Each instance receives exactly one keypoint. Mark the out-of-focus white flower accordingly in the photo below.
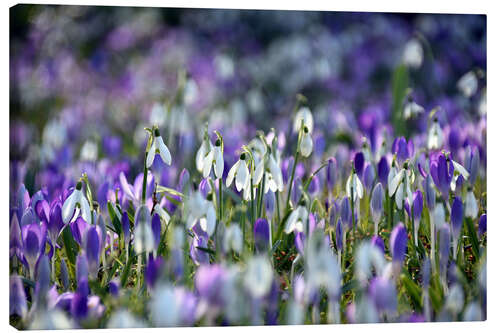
(124, 319)
(294, 313)
(240, 171)
(455, 300)
(158, 147)
(368, 257)
(224, 66)
(268, 168)
(473, 312)
(233, 238)
(413, 54)
(143, 232)
(205, 148)
(439, 216)
(89, 151)
(354, 187)
(259, 276)
(468, 84)
(412, 109)
(52, 319)
(303, 114)
(482, 104)
(200, 209)
(165, 309)
(76, 197)
(158, 114)
(471, 208)
(191, 92)
(435, 136)
(297, 220)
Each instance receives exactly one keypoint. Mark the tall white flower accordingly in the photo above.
(158, 147)
(239, 171)
(354, 187)
(471, 208)
(76, 198)
(306, 143)
(297, 220)
(400, 184)
(215, 158)
(202, 210)
(435, 136)
(268, 167)
(303, 115)
(205, 148)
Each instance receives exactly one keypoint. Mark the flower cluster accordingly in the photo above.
(200, 207)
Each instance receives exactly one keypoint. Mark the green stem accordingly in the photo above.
(295, 159)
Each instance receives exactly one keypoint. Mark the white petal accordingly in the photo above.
(276, 173)
(399, 197)
(162, 213)
(232, 172)
(200, 155)
(471, 209)
(460, 169)
(291, 221)
(85, 208)
(69, 206)
(395, 182)
(241, 176)
(306, 145)
(151, 154)
(164, 152)
(219, 162)
(348, 186)
(359, 187)
(259, 172)
(210, 220)
(207, 164)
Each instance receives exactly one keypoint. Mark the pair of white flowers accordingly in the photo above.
(400, 183)
(202, 210)
(208, 156)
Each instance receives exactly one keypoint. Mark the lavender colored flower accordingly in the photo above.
(331, 173)
(17, 297)
(442, 173)
(378, 243)
(209, 281)
(398, 242)
(339, 235)
(472, 163)
(153, 270)
(482, 225)
(33, 245)
(376, 204)
(359, 163)
(384, 294)
(383, 170)
(93, 251)
(261, 234)
(456, 217)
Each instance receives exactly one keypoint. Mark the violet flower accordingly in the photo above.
(261, 235)
(398, 242)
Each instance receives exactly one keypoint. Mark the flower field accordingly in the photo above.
(197, 167)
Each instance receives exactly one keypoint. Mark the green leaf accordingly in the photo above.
(471, 231)
(413, 291)
(69, 245)
(117, 225)
(126, 272)
(204, 249)
(163, 189)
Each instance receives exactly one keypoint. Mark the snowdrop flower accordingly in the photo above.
(76, 198)
(200, 209)
(303, 115)
(205, 148)
(354, 187)
(165, 307)
(268, 168)
(412, 109)
(468, 84)
(162, 213)
(471, 208)
(306, 143)
(215, 158)
(413, 54)
(376, 205)
(401, 182)
(296, 220)
(143, 232)
(435, 137)
(158, 147)
(239, 171)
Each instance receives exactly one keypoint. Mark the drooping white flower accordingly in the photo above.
(413, 54)
(303, 115)
(268, 167)
(165, 307)
(468, 84)
(239, 171)
(471, 208)
(412, 109)
(215, 158)
(435, 136)
(205, 148)
(158, 147)
(438, 216)
(202, 210)
(400, 184)
(460, 169)
(297, 220)
(76, 198)
(306, 143)
(162, 213)
(354, 187)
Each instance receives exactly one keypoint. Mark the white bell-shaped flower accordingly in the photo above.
(468, 84)
(215, 158)
(239, 171)
(268, 168)
(435, 136)
(297, 220)
(69, 205)
(205, 148)
(413, 54)
(412, 110)
(304, 114)
(200, 209)
(400, 184)
(233, 238)
(158, 147)
(354, 187)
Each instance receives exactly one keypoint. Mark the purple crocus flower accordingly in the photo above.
(472, 163)
(78, 229)
(153, 270)
(184, 178)
(376, 204)
(261, 235)
(17, 297)
(156, 227)
(369, 176)
(82, 268)
(402, 149)
(444, 246)
(64, 274)
(331, 173)
(79, 309)
(384, 295)
(314, 186)
(42, 280)
(299, 240)
(442, 173)
(93, 251)
(345, 212)
(199, 256)
(33, 245)
(15, 241)
(269, 202)
(359, 163)
(418, 205)
(208, 282)
(126, 227)
(482, 225)
(55, 223)
(383, 170)
(339, 235)
(456, 217)
(398, 242)
(114, 287)
(430, 194)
